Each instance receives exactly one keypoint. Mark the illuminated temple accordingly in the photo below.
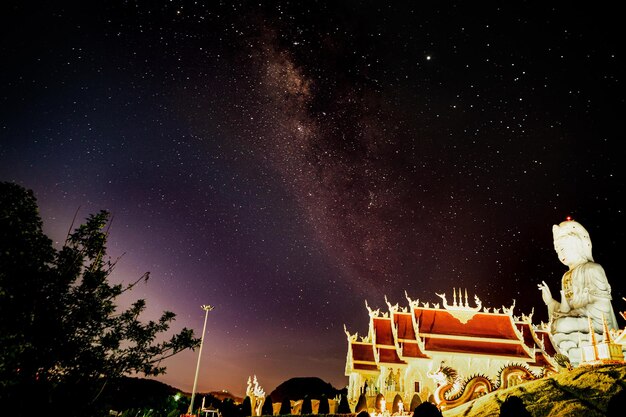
(411, 350)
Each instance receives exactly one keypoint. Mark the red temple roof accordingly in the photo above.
(424, 331)
(482, 334)
(404, 326)
(484, 325)
(407, 339)
(477, 347)
(389, 356)
(384, 337)
(546, 340)
(412, 350)
(363, 352)
(382, 329)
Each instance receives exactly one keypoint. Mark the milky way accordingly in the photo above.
(286, 161)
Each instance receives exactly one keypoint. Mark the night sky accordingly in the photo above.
(286, 161)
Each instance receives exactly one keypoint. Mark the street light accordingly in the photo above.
(206, 308)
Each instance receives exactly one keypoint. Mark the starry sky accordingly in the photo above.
(286, 161)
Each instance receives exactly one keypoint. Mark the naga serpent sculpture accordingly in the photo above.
(452, 391)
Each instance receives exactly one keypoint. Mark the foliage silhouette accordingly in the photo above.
(285, 407)
(344, 407)
(62, 336)
(427, 409)
(268, 407)
(229, 408)
(307, 407)
(246, 407)
(513, 406)
(324, 407)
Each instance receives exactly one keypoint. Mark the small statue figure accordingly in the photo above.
(585, 292)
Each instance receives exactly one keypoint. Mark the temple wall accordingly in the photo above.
(415, 379)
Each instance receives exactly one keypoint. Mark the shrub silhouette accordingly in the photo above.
(427, 410)
(324, 407)
(285, 407)
(268, 407)
(513, 407)
(344, 407)
(307, 407)
(246, 407)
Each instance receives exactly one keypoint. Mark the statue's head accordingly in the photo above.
(572, 239)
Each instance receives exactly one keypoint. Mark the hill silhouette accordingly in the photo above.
(296, 388)
(129, 392)
(584, 391)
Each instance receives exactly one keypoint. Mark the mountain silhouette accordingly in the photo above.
(296, 388)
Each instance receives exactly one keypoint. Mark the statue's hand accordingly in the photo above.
(546, 295)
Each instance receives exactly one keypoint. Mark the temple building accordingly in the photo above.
(407, 347)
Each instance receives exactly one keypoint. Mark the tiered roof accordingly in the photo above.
(420, 330)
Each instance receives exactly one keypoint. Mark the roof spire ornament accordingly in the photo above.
(607, 333)
(592, 339)
(460, 311)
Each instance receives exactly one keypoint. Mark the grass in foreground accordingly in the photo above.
(583, 391)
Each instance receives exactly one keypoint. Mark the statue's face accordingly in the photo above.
(568, 250)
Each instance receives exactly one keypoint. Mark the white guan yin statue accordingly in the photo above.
(585, 292)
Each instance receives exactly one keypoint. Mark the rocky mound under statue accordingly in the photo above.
(585, 292)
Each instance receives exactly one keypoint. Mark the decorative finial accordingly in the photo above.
(592, 333)
(454, 296)
(607, 333)
(466, 302)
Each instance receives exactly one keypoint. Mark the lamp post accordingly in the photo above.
(206, 308)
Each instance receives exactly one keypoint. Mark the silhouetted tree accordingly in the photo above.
(61, 336)
(344, 407)
(427, 410)
(361, 404)
(324, 407)
(415, 401)
(307, 407)
(513, 407)
(285, 407)
(246, 407)
(268, 407)
(229, 408)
